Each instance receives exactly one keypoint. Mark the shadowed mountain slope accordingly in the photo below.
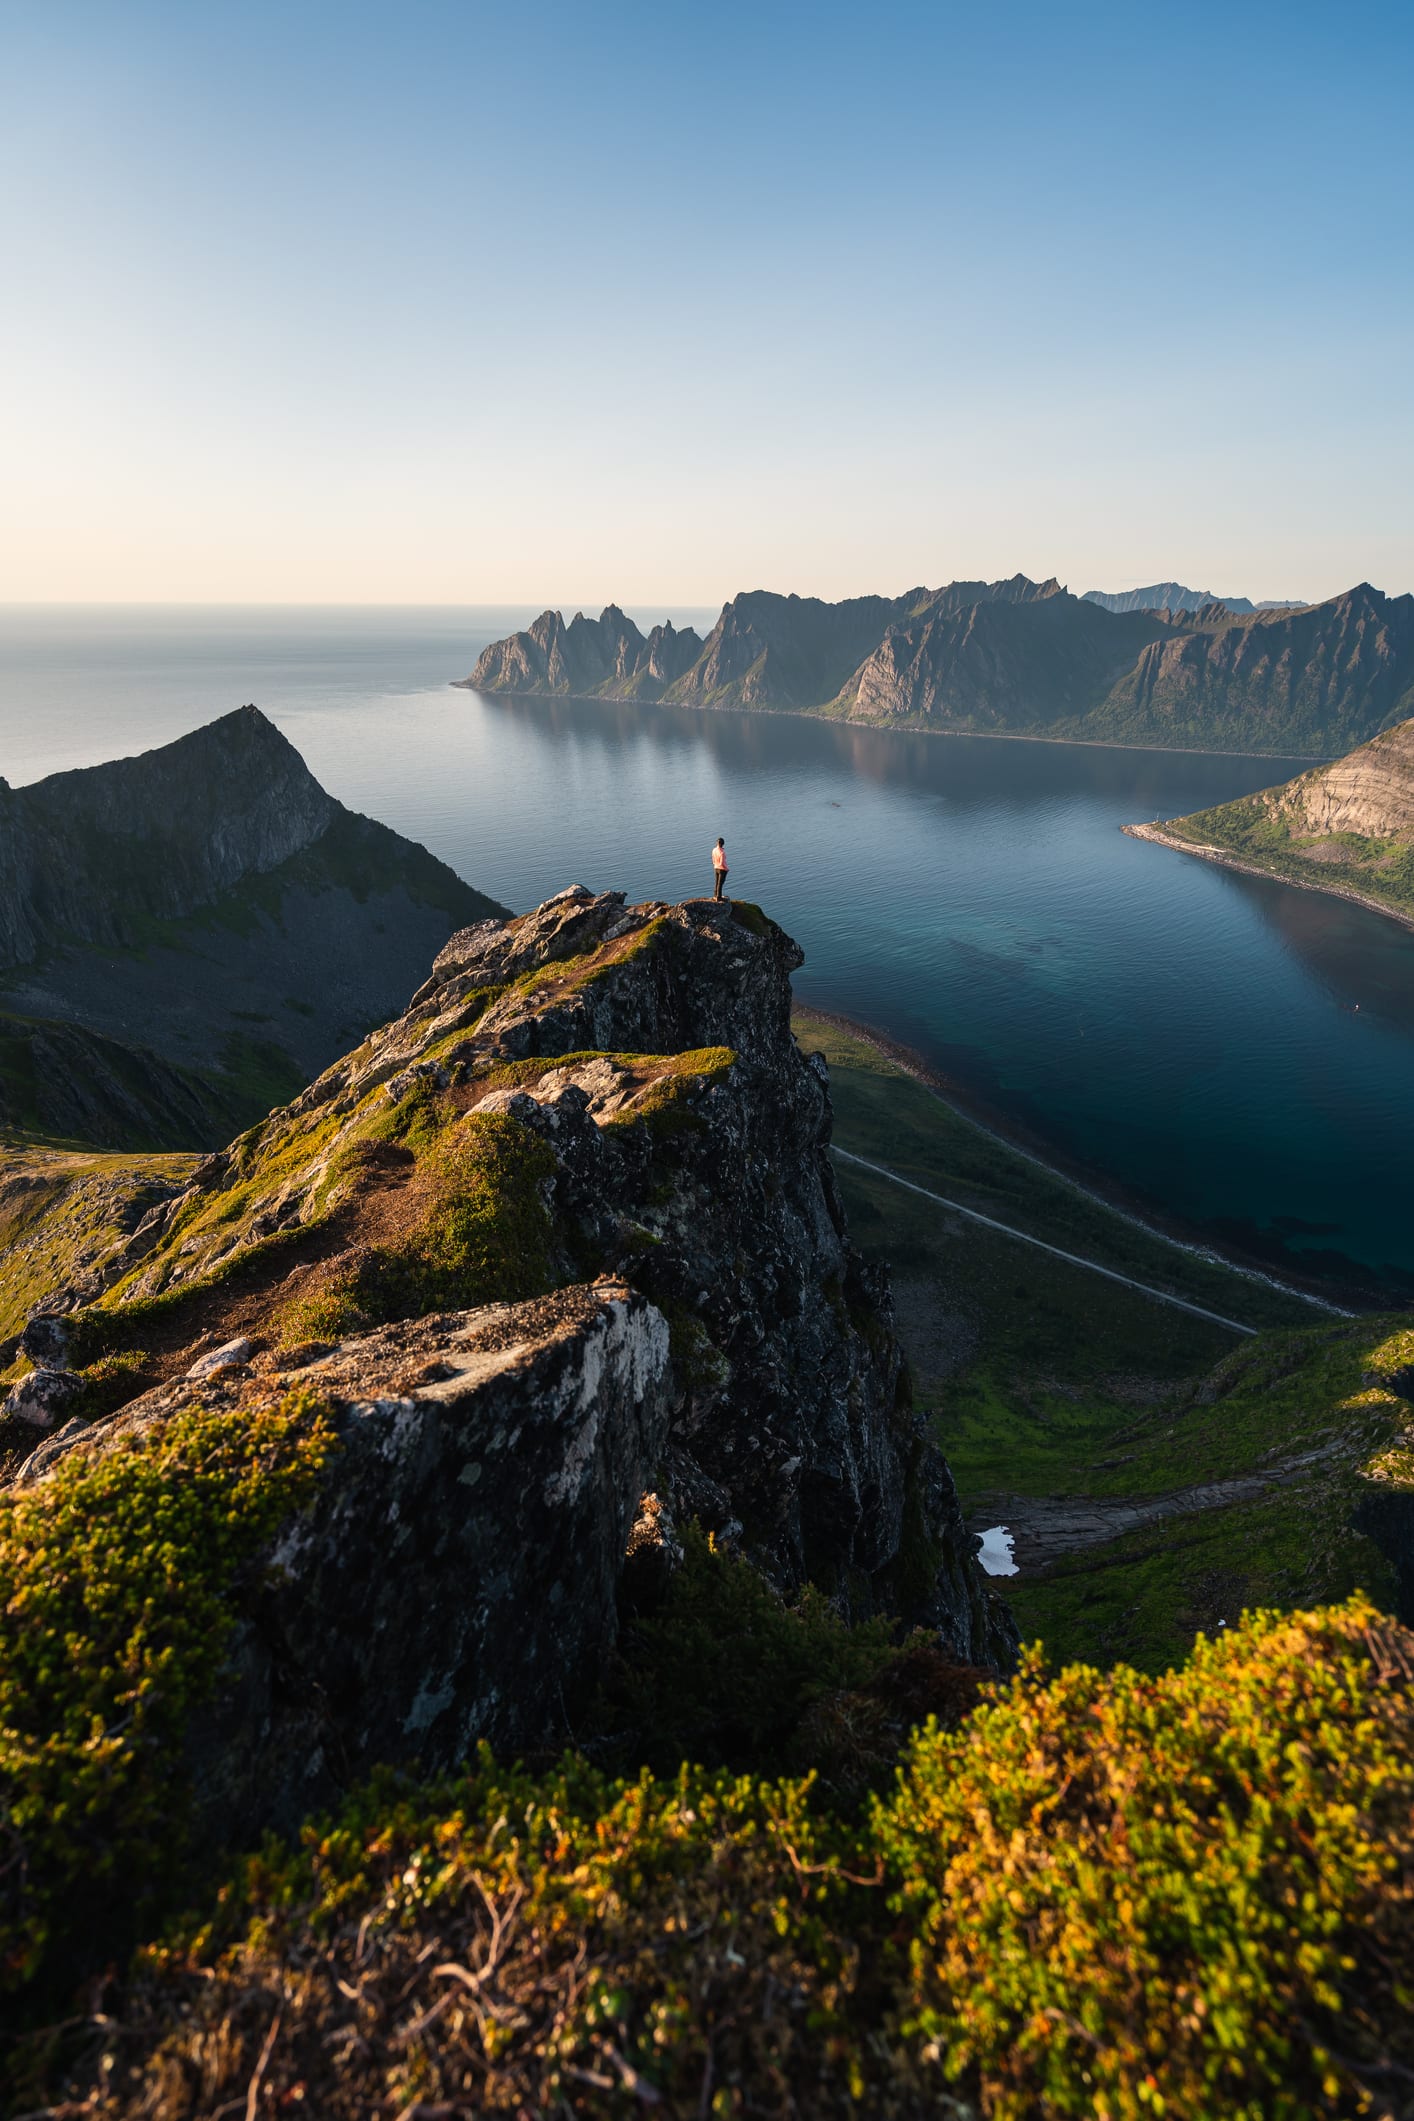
(206, 903)
(1316, 679)
(1020, 657)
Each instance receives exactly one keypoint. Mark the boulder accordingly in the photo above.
(43, 1398)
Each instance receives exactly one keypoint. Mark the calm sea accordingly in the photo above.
(1232, 1053)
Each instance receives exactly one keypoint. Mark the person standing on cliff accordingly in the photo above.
(719, 868)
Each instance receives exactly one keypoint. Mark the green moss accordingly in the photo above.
(749, 916)
(117, 1579)
(485, 1234)
(111, 1382)
(665, 1107)
(112, 1325)
(698, 1364)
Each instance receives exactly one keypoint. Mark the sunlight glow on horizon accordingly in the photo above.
(453, 304)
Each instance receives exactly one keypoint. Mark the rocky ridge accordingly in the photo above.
(563, 1234)
(1018, 657)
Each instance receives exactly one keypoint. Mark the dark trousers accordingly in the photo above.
(721, 876)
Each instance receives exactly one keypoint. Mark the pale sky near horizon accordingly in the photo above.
(447, 302)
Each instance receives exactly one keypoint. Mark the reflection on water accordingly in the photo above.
(1186, 1031)
(1362, 963)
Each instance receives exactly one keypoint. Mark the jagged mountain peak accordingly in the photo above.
(1164, 663)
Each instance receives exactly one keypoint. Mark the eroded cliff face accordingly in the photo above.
(562, 1234)
(1002, 661)
(1370, 793)
(454, 1580)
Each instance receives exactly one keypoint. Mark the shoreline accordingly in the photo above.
(1224, 860)
(850, 721)
(957, 1100)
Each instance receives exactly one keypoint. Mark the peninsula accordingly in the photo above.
(1346, 828)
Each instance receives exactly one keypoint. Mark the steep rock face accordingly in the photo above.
(1317, 678)
(1001, 662)
(1370, 792)
(775, 651)
(644, 1056)
(607, 654)
(455, 1579)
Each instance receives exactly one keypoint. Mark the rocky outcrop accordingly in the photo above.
(1027, 658)
(154, 910)
(455, 1579)
(644, 1055)
(604, 655)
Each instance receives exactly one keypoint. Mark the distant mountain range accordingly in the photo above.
(1172, 596)
(186, 936)
(1015, 657)
(1346, 828)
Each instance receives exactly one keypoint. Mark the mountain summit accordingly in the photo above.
(186, 935)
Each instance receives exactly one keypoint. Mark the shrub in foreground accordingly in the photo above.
(116, 1576)
(1103, 1894)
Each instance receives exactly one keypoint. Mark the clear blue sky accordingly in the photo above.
(466, 302)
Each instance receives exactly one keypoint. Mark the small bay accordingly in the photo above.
(1225, 1051)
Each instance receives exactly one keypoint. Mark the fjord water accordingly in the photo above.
(1227, 1051)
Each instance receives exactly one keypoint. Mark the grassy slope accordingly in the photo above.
(1382, 870)
(1044, 1380)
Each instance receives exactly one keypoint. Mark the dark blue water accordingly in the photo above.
(1190, 1035)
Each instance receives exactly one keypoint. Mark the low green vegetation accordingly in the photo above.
(483, 1232)
(1380, 869)
(726, 1673)
(117, 1576)
(1099, 1895)
(63, 1211)
(1045, 1383)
